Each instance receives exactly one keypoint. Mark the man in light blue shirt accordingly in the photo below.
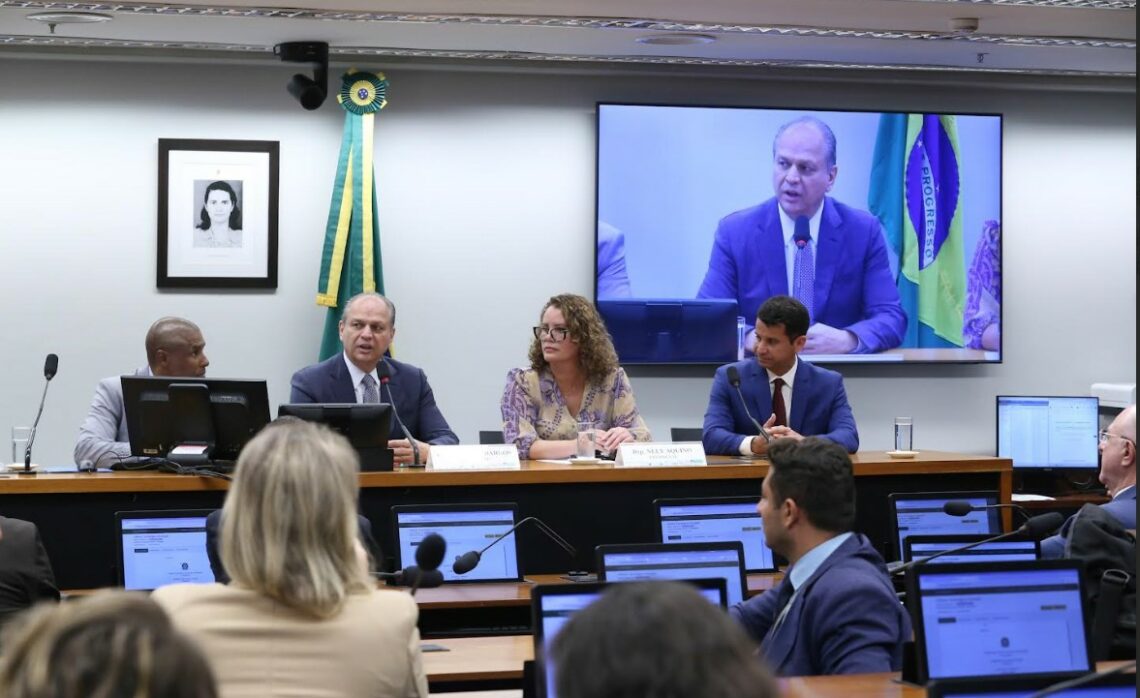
(836, 611)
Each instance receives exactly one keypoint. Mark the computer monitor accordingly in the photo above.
(366, 426)
(157, 548)
(920, 513)
(663, 331)
(1119, 685)
(1043, 432)
(464, 527)
(999, 619)
(998, 551)
(552, 605)
(675, 561)
(210, 418)
(714, 520)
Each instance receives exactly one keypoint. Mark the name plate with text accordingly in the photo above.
(485, 457)
(650, 455)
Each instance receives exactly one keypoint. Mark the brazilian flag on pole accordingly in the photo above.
(350, 261)
(915, 192)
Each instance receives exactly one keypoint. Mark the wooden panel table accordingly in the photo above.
(587, 504)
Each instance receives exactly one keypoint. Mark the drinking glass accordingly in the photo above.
(904, 433)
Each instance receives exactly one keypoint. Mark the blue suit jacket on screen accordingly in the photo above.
(854, 287)
(845, 619)
(1123, 509)
(819, 407)
(330, 381)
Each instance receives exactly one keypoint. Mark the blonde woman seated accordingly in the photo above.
(573, 376)
(302, 615)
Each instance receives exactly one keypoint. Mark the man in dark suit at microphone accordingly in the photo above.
(794, 398)
(361, 373)
(831, 257)
(174, 347)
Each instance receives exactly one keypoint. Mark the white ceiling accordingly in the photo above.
(1078, 38)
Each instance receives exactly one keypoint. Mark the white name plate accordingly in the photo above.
(489, 457)
(650, 455)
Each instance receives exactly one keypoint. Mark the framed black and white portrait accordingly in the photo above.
(217, 213)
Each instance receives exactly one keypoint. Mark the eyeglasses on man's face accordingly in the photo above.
(1103, 436)
(556, 333)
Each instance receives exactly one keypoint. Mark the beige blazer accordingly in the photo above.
(259, 648)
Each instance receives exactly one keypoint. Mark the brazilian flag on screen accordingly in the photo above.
(916, 193)
(350, 259)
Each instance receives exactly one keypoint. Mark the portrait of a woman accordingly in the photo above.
(219, 220)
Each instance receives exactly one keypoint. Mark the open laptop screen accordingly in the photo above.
(715, 520)
(465, 527)
(157, 548)
(999, 619)
(677, 561)
(920, 514)
(999, 551)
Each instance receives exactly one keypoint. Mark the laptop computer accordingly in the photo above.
(465, 527)
(920, 513)
(998, 551)
(714, 520)
(999, 619)
(552, 605)
(156, 548)
(1119, 685)
(676, 561)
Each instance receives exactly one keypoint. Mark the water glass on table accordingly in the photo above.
(587, 439)
(904, 433)
(20, 436)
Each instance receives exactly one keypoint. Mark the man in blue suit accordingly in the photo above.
(367, 328)
(835, 612)
(828, 255)
(809, 401)
(1117, 474)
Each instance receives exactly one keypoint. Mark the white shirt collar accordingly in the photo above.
(788, 224)
(789, 377)
(356, 374)
(806, 566)
(1121, 492)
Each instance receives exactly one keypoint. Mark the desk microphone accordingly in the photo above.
(425, 573)
(734, 381)
(960, 507)
(467, 561)
(51, 365)
(385, 374)
(1035, 528)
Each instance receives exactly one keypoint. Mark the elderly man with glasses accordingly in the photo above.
(1117, 474)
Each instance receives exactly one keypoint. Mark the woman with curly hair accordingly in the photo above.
(573, 376)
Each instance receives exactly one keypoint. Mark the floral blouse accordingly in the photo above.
(533, 408)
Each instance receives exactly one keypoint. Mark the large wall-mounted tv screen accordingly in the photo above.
(885, 225)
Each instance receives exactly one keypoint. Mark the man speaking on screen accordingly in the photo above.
(829, 256)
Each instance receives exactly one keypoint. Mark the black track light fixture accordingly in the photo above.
(310, 92)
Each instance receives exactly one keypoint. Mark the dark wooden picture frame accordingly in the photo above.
(202, 182)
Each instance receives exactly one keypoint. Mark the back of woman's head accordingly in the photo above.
(289, 524)
(113, 644)
(656, 640)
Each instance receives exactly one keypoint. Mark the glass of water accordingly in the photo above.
(587, 439)
(904, 433)
(20, 436)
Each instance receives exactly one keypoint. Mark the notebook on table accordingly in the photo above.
(464, 527)
(675, 561)
(156, 548)
(999, 619)
(716, 520)
(920, 514)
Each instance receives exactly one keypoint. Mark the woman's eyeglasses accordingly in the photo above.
(556, 333)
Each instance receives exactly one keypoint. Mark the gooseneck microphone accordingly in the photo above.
(802, 234)
(51, 365)
(467, 561)
(385, 374)
(960, 507)
(734, 381)
(425, 573)
(1035, 528)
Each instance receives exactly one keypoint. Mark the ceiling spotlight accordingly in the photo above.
(310, 92)
(676, 39)
(53, 18)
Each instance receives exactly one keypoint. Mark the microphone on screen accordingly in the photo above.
(734, 381)
(51, 365)
(467, 561)
(385, 374)
(802, 235)
(960, 507)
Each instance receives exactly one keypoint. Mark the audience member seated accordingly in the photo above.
(835, 612)
(110, 644)
(659, 639)
(367, 328)
(1117, 474)
(792, 398)
(303, 615)
(25, 571)
(573, 376)
(174, 347)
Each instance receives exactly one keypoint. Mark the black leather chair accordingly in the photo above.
(491, 437)
(686, 433)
